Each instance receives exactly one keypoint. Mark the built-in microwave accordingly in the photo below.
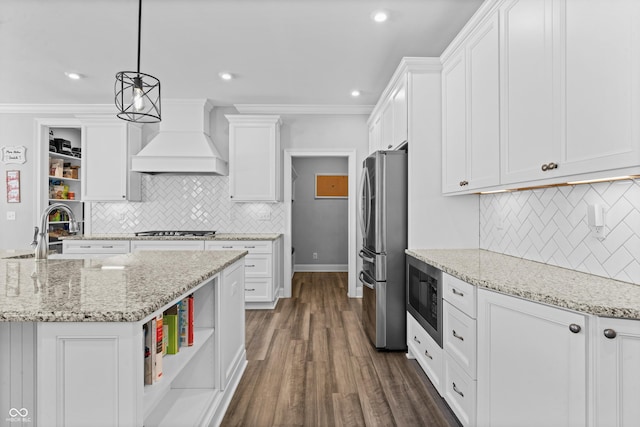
(424, 296)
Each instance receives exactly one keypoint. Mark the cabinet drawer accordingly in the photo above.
(257, 289)
(166, 245)
(459, 392)
(95, 247)
(244, 245)
(258, 265)
(426, 351)
(460, 294)
(459, 338)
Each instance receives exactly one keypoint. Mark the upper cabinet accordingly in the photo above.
(564, 113)
(388, 124)
(254, 158)
(470, 112)
(107, 147)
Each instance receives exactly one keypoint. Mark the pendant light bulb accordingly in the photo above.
(138, 94)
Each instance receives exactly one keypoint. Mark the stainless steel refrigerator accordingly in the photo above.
(383, 222)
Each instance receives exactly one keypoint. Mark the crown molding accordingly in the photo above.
(303, 109)
(57, 109)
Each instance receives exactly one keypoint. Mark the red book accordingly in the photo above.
(158, 347)
(190, 340)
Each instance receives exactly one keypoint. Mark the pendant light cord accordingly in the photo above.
(139, 24)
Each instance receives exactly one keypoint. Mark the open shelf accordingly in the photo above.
(63, 156)
(172, 365)
(183, 407)
(64, 178)
(65, 200)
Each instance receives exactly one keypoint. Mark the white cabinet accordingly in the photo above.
(532, 363)
(254, 158)
(262, 269)
(617, 373)
(600, 96)
(167, 245)
(388, 123)
(107, 147)
(459, 344)
(232, 314)
(471, 114)
(426, 351)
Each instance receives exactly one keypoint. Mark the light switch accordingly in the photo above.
(11, 216)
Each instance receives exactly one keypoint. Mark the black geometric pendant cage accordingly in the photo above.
(138, 94)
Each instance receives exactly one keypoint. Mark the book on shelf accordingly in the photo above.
(148, 345)
(183, 322)
(158, 361)
(165, 335)
(170, 318)
(190, 330)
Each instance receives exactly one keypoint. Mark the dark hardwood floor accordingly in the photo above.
(310, 364)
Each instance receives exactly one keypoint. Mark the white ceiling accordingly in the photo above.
(281, 51)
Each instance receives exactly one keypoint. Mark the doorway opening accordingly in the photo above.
(290, 157)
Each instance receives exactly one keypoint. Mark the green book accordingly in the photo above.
(170, 319)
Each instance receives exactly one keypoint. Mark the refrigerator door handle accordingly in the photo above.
(365, 283)
(364, 256)
(368, 183)
(360, 204)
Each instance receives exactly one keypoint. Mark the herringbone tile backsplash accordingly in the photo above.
(186, 202)
(550, 226)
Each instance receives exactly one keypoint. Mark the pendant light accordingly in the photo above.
(138, 94)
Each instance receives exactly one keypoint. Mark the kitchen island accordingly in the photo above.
(74, 340)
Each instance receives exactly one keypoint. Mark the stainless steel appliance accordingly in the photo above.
(424, 296)
(383, 222)
(176, 233)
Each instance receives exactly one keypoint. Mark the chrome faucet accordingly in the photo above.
(39, 236)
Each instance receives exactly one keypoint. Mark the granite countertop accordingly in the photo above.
(17, 253)
(536, 281)
(218, 236)
(123, 288)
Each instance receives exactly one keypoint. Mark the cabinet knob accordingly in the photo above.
(463, 183)
(545, 167)
(574, 328)
(610, 333)
(124, 197)
(549, 166)
(389, 146)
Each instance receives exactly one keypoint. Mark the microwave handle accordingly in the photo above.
(365, 283)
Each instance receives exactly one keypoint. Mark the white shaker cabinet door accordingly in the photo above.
(601, 77)
(532, 363)
(528, 121)
(617, 382)
(454, 118)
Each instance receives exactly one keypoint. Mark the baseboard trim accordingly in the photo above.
(307, 268)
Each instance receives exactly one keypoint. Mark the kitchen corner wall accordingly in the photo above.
(186, 202)
(550, 226)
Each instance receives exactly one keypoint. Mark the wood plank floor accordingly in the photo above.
(311, 364)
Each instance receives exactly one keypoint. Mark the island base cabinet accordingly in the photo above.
(86, 374)
(532, 363)
(617, 382)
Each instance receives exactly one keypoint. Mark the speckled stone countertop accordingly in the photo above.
(536, 281)
(17, 253)
(218, 236)
(123, 288)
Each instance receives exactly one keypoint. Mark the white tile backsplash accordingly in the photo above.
(550, 225)
(186, 202)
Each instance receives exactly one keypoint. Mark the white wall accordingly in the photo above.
(319, 225)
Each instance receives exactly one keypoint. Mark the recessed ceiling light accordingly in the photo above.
(380, 16)
(73, 76)
(226, 76)
(355, 93)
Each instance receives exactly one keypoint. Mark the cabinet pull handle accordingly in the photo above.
(610, 333)
(249, 265)
(250, 289)
(574, 328)
(249, 247)
(456, 390)
(389, 146)
(426, 353)
(549, 166)
(460, 337)
(415, 338)
(85, 246)
(457, 292)
(228, 247)
(107, 246)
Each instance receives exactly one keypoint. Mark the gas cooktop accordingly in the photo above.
(176, 233)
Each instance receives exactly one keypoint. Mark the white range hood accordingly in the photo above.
(183, 145)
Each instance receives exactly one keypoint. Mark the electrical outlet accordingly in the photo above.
(315, 255)
(264, 215)
(11, 216)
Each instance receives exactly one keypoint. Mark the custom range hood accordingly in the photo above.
(183, 145)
